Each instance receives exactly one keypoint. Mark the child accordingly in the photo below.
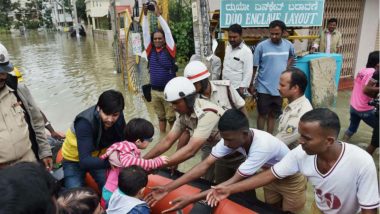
(139, 133)
(79, 200)
(126, 199)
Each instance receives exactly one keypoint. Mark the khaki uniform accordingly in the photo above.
(335, 42)
(203, 124)
(288, 125)
(290, 191)
(14, 132)
(220, 95)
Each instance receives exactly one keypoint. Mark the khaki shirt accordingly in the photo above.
(288, 125)
(14, 132)
(202, 123)
(335, 41)
(219, 95)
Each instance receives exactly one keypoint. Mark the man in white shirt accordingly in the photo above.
(262, 150)
(292, 86)
(238, 60)
(343, 175)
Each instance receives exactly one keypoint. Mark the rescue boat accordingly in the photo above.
(239, 203)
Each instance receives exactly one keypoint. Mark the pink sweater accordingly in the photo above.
(128, 155)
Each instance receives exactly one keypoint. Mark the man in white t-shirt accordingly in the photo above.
(343, 175)
(262, 151)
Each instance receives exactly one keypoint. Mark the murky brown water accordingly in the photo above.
(67, 75)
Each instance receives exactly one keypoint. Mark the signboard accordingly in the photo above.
(136, 43)
(259, 13)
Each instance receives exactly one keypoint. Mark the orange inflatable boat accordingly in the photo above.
(236, 204)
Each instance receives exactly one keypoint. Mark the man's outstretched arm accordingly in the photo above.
(164, 145)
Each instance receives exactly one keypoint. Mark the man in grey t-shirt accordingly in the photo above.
(271, 57)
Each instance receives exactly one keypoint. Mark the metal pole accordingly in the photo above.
(115, 29)
(76, 25)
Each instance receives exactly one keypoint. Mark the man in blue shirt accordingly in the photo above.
(271, 57)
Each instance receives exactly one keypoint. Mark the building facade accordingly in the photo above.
(358, 21)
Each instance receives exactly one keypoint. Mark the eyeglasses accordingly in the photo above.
(149, 139)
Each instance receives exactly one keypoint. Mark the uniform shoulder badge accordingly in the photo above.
(199, 112)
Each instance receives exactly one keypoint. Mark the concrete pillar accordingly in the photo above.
(93, 23)
(368, 30)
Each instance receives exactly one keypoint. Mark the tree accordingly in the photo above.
(67, 5)
(5, 9)
(81, 10)
(181, 25)
(47, 19)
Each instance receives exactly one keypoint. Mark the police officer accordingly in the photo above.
(292, 86)
(22, 132)
(219, 92)
(201, 118)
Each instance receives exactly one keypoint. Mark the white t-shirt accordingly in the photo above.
(265, 151)
(350, 184)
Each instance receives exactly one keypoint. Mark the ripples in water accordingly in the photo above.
(66, 75)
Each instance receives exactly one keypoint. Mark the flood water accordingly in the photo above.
(67, 75)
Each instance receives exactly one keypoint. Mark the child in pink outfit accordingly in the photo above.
(127, 153)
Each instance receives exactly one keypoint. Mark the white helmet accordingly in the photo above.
(196, 71)
(178, 88)
(5, 65)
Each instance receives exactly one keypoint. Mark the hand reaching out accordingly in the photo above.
(217, 194)
(58, 135)
(178, 203)
(157, 193)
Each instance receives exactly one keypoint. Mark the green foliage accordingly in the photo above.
(81, 10)
(181, 25)
(104, 23)
(67, 5)
(32, 24)
(4, 30)
(47, 19)
(17, 24)
(183, 34)
(5, 8)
